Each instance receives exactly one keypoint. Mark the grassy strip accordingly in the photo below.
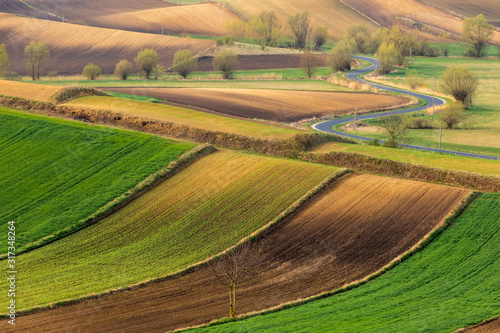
(295, 188)
(447, 221)
(68, 93)
(114, 205)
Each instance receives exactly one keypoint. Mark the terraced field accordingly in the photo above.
(74, 46)
(450, 284)
(356, 227)
(197, 213)
(55, 173)
(35, 92)
(273, 105)
(197, 119)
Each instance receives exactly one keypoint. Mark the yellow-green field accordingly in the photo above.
(187, 117)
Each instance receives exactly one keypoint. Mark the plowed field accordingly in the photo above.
(354, 229)
(19, 8)
(274, 105)
(35, 92)
(253, 62)
(491, 327)
(72, 46)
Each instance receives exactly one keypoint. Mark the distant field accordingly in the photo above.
(55, 173)
(450, 284)
(74, 46)
(351, 230)
(417, 157)
(274, 105)
(490, 9)
(202, 210)
(27, 90)
(197, 119)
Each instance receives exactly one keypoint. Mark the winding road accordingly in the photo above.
(327, 126)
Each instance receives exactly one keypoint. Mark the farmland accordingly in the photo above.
(448, 285)
(212, 202)
(273, 105)
(35, 92)
(332, 241)
(416, 157)
(490, 9)
(42, 178)
(196, 119)
(74, 46)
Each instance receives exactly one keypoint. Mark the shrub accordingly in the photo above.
(219, 41)
(4, 59)
(340, 56)
(91, 71)
(12, 76)
(452, 114)
(459, 82)
(415, 80)
(185, 63)
(308, 63)
(320, 37)
(226, 61)
(123, 69)
(147, 60)
(387, 55)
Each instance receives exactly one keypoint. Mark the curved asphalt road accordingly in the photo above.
(327, 126)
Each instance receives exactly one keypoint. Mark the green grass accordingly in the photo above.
(452, 283)
(56, 172)
(203, 209)
(431, 159)
(459, 49)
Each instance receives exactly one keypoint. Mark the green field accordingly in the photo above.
(203, 209)
(452, 283)
(480, 133)
(431, 159)
(55, 172)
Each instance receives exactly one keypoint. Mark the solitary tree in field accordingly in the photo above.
(452, 114)
(123, 69)
(234, 268)
(35, 55)
(147, 60)
(396, 129)
(267, 27)
(4, 59)
(459, 82)
(340, 56)
(308, 63)
(301, 29)
(226, 61)
(320, 37)
(185, 63)
(477, 32)
(91, 71)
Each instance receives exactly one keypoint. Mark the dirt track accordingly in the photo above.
(274, 105)
(355, 228)
(268, 61)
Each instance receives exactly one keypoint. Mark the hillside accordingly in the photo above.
(141, 16)
(73, 46)
(334, 240)
(490, 9)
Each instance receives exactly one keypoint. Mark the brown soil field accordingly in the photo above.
(73, 46)
(253, 62)
(142, 16)
(384, 11)
(274, 105)
(490, 327)
(355, 228)
(19, 8)
(490, 9)
(31, 91)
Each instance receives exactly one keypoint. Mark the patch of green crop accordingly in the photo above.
(55, 172)
(452, 283)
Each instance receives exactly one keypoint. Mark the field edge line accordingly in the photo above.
(111, 207)
(478, 325)
(419, 246)
(290, 210)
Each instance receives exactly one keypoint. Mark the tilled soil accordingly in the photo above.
(356, 227)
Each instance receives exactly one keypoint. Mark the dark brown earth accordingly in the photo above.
(273, 105)
(19, 8)
(355, 228)
(266, 61)
(490, 327)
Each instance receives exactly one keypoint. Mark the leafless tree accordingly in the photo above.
(234, 268)
(308, 63)
(396, 128)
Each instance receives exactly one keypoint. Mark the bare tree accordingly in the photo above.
(35, 55)
(299, 23)
(226, 61)
(396, 128)
(267, 26)
(477, 32)
(234, 268)
(308, 63)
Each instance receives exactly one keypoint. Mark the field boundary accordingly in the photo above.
(296, 148)
(478, 325)
(422, 244)
(193, 267)
(111, 207)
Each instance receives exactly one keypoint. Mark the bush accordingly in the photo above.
(219, 41)
(4, 59)
(226, 61)
(415, 80)
(387, 55)
(421, 123)
(12, 76)
(91, 71)
(308, 63)
(147, 60)
(123, 69)
(229, 40)
(340, 56)
(320, 37)
(185, 63)
(452, 114)
(459, 82)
